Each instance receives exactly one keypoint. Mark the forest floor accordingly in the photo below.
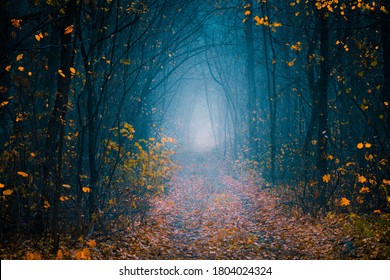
(211, 211)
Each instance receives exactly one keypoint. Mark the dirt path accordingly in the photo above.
(210, 214)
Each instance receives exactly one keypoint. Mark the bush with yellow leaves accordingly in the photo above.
(145, 168)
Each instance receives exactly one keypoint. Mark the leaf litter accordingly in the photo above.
(211, 211)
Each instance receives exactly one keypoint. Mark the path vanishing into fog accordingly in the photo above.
(212, 213)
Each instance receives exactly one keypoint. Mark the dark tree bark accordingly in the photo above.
(323, 94)
(385, 24)
(251, 81)
(57, 122)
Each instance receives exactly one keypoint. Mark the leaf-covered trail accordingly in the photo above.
(210, 214)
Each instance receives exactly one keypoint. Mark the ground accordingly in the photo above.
(211, 210)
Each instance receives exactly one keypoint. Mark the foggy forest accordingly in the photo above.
(194, 129)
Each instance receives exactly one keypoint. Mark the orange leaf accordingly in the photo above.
(91, 243)
(1, 186)
(8, 192)
(2, 104)
(344, 202)
(86, 189)
(16, 22)
(360, 146)
(19, 57)
(364, 190)
(33, 256)
(60, 254)
(38, 36)
(8, 68)
(23, 174)
(69, 29)
(83, 254)
(326, 178)
(362, 179)
(61, 73)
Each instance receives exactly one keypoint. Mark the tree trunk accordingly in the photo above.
(56, 126)
(385, 24)
(251, 82)
(323, 83)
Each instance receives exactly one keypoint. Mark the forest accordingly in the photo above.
(194, 129)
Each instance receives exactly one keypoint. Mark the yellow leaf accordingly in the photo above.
(374, 63)
(86, 189)
(276, 24)
(29, 73)
(23, 174)
(1, 186)
(344, 202)
(8, 192)
(19, 57)
(91, 243)
(296, 47)
(61, 73)
(369, 157)
(360, 146)
(125, 61)
(46, 204)
(247, 13)
(69, 29)
(326, 178)
(291, 63)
